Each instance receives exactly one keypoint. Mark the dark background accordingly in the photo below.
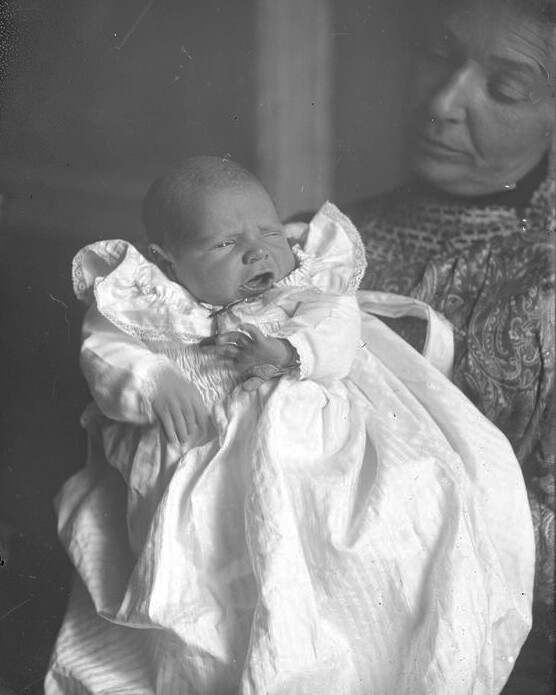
(94, 105)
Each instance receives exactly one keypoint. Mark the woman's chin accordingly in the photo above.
(447, 176)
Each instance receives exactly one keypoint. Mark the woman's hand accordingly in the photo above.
(179, 408)
(257, 357)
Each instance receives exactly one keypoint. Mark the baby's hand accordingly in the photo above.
(179, 408)
(254, 353)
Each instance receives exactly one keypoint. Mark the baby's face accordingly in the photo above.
(236, 247)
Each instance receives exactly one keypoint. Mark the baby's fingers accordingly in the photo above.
(237, 338)
(195, 414)
(253, 383)
(229, 350)
(177, 423)
(231, 344)
(166, 421)
(184, 424)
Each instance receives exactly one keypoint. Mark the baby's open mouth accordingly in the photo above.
(258, 283)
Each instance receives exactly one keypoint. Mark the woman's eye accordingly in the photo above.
(273, 232)
(508, 89)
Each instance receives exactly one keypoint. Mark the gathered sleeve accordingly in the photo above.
(325, 332)
(120, 370)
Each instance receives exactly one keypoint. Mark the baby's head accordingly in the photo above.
(213, 229)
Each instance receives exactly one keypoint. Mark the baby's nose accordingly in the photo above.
(254, 253)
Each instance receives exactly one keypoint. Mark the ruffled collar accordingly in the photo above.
(137, 297)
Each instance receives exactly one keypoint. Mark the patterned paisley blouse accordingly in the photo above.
(488, 266)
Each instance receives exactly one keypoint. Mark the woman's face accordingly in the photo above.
(482, 108)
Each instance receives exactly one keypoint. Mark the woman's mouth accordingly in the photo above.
(258, 283)
(439, 148)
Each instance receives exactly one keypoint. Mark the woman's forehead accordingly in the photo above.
(492, 32)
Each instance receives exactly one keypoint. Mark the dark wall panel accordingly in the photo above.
(371, 71)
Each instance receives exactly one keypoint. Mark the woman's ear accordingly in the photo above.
(163, 259)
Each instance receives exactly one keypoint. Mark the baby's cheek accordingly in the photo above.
(286, 262)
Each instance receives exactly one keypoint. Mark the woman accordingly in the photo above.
(473, 232)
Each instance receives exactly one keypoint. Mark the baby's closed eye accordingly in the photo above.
(224, 244)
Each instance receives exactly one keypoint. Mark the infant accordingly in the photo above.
(214, 230)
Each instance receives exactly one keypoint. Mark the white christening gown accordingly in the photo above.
(355, 527)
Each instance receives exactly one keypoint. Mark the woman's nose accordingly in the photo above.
(254, 253)
(452, 98)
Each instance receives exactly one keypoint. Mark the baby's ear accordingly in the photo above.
(296, 233)
(163, 259)
(156, 253)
